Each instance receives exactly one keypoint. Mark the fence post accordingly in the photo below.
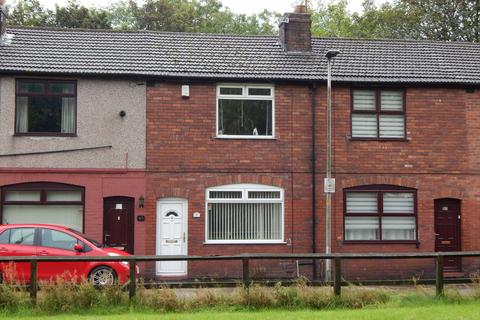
(246, 272)
(439, 275)
(337, 281)
(33, 281)
(132, 285)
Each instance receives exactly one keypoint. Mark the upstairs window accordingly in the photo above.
(244, 214)
(378, 114)
(245, 111)
(45, 107)
(380, 213)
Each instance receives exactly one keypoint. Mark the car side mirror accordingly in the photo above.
(78, 247)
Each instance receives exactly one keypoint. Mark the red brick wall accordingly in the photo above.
(440, 158)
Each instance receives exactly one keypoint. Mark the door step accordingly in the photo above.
(453, 274)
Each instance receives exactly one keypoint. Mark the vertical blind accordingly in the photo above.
(364, 218)
(244, 213)
(245, 221)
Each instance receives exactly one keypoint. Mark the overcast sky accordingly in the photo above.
(239, 6)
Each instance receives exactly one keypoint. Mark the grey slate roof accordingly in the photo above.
(164, 54)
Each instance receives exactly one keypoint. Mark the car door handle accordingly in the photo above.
(43, 253)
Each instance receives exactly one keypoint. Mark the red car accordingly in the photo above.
(52, 240)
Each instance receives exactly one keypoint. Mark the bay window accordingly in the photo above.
(45, 107)
(244, 214)
(245, 111)
(380, 213)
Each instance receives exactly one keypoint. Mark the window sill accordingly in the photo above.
(46, 134)
(415, 242)
(380, 139)
(246, 137)
(244, 242)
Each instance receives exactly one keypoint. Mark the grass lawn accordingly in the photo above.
(436, 311)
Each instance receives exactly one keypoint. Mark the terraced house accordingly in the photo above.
(208, 144)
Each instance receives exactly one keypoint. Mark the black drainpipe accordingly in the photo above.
(313, 90)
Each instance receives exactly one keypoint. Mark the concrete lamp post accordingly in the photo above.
(329, 187)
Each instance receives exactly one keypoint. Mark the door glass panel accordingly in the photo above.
(22, 236)
(56, 239)
(5, 237)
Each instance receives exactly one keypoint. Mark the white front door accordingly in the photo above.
(172, 235)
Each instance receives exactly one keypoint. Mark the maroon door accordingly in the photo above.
(447, 231)
(118, 221)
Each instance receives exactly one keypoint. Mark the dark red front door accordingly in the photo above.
(118, 221)
(447, 231)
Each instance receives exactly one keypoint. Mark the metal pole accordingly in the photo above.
(328, 196)
(328, 204)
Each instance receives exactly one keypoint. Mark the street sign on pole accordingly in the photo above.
(329, 185)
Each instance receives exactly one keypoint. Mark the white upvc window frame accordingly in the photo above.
(245, 188)
(245, 96)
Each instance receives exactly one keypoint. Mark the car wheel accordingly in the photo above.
(102, 276)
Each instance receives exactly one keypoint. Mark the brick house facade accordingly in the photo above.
(405, 144)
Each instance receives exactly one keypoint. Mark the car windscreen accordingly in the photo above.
(94, 242)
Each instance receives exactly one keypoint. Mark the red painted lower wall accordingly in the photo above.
(98, 184)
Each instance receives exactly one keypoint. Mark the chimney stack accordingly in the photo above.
(3, 19)
(295, 31)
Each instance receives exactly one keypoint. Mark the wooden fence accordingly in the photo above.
(438, 257)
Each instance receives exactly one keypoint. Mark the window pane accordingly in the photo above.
(5, 237)
(245, 117)
(364, 100)
(57, 239)
(22, 196)
(264, 195)
(391, 100)
(392, 126)
(30, 87)
(398, 203)
(364, 125)
(245, 221)
(361, 202)
(44, 114)
(259, 92)
(231, 91)
(225, 194)
(23, 236)
(64, 196)
(398, 228)
(65, 215)
(361, 228)
(61, 87)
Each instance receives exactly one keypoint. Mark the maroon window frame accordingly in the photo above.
(45, 93)
(380, 190)
(43, 188)
(378, 112)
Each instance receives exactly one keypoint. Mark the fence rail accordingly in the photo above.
(245, 259)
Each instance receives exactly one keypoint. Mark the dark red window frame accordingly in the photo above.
(380, 190)
(378, 112)
(43, 188)
(45, 93)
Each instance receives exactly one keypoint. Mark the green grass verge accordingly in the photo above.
(435, 311)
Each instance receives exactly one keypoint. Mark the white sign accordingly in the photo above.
(329, 186)
(196, 214)
(118, 206)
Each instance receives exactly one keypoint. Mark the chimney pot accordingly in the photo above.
(300, 8)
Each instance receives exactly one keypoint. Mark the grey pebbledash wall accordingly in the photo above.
(98, 124)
